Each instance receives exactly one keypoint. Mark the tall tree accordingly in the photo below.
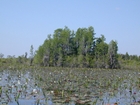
(31, 51)
(126, 56)
(84, 43)
(112, 55)
(39, 55)
(101, 51)
(26, 55)
(31, 54)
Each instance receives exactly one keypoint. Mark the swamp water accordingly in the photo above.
(69, 87)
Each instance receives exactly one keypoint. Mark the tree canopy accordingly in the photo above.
(68, 48)
(82, 48)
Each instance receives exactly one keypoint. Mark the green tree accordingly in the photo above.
(39, 55)
(126, 56)
(31, 54)
(101, 50)
(26, 55)
(112, 55)
(76, 49)
(84, 43)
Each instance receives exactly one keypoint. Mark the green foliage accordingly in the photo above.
(101, 51)
(112, 55)
(39, 55)
(67, 48)
(80, 48)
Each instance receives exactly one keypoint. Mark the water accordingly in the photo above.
(61, 88)
(17, 88)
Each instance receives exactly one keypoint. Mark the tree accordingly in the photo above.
(101, 51)
(26, 55)
(46, 60)
(1, 55)
(84, 44)
(112, 55)
(31, 51)
(126, 56)
(39, 55)
(31, 54)
(76, 49)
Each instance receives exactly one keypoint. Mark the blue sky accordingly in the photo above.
(28, 22)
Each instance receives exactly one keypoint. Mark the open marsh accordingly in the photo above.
(69, 86)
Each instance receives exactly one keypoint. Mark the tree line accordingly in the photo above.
(66, 48)
(80, 48)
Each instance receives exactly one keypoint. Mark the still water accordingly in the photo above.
(21, 88)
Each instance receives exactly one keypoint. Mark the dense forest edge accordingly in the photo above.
(80, 49)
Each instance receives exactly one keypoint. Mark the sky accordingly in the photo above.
(28, 22)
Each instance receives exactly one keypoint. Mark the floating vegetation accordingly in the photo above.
(68, 86)
(16, 90)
